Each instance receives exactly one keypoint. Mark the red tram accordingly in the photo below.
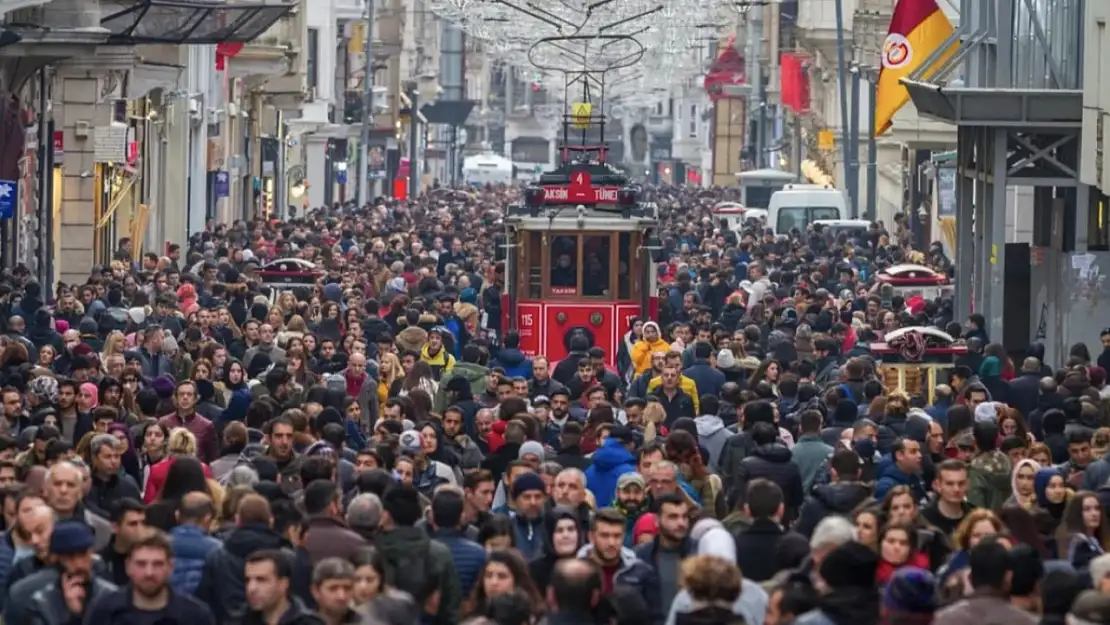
(580, 258)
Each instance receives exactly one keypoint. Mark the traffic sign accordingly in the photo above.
(9, 197)
(580, 115)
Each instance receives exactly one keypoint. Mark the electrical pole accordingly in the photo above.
(363, 185)
(414, 141)
(751, 62)
(760, 88)
(842, 81)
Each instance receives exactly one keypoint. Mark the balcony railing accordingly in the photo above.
(349, 9)
(820, 15)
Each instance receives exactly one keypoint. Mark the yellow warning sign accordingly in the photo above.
(825, 140)
(580, 115)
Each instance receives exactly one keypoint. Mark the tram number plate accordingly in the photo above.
(592, 195)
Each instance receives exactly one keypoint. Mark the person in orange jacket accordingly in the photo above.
(651, 341)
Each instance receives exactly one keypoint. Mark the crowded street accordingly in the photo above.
(186, 441)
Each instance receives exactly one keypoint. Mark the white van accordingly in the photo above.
(799, 205)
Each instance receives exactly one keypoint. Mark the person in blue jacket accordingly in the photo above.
(512, 360)
(901, 468)
(612, 460)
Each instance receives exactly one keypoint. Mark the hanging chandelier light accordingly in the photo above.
(514, 24)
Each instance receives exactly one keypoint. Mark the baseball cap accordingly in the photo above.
(630, 479)
(410, 441)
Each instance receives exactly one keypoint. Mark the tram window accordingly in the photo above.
(595, 265)
(624, 271)
(535, 266)
(564, 265)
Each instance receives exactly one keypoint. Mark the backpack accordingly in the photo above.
(409, 573)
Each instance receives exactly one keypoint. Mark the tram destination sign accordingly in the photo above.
(576, 195)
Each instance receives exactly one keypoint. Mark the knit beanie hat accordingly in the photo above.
(911, 590)
(527, 482)
(646, 524)
(532, 447)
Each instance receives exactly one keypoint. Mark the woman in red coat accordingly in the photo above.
(181, 443)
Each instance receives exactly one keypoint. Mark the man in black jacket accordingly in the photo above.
(150, 595)
(268, 574)
(766, 547)
(840, 497)
(223, 585)
(770, 460)
(1025, 390)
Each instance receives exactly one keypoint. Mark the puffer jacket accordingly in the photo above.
(828, 500)
(38, 600)
(222, 585)
(638, 575)
(772, 462)
(476, 375)
(191, 547)
(610, 462)
(515, 363)
(989, 484)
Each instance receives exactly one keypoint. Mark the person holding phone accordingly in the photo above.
(60, 594)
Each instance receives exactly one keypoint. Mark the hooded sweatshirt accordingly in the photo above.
(642, 350)
(712, 435)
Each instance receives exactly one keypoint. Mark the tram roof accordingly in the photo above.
(592, 221)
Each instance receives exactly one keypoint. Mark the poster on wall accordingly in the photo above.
(946, 192)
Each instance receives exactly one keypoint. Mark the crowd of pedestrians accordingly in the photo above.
(182, 443)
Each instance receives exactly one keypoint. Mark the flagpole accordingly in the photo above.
(872, 150)
(842, 79)
(854, 142)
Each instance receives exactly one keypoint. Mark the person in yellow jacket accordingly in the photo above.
(652, 341)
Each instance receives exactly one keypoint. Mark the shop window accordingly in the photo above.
(564, 265)
(313, 58)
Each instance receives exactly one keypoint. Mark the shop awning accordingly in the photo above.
(193, 21)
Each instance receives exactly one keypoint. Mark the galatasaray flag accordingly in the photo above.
(917, 29)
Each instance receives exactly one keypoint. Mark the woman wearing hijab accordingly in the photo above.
(990, 374)
(562, 538)
(1053, 495)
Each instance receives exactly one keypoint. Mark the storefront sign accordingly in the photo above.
(222, 184)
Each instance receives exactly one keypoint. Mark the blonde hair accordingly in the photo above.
(296, 324)
(390, 368)
(654, 415)
(182, 442)
(114, 343)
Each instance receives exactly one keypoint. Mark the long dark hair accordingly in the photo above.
(522, 581)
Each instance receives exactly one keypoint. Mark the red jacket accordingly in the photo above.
(157, 479)
(497, 435)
